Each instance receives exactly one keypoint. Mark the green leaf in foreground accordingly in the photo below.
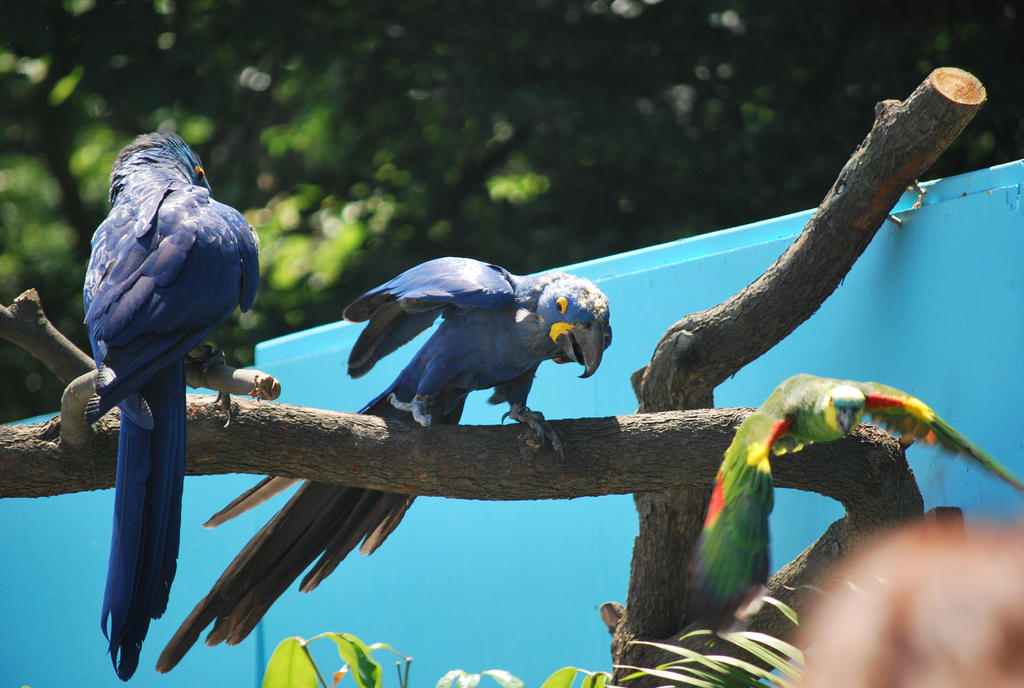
(448, 679)
(365, 671)
(290, 666)
(504, 678)
(562, 678)
(467, 680)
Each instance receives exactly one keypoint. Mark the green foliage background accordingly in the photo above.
(363, 138)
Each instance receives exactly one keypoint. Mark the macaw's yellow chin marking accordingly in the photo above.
(557, 329)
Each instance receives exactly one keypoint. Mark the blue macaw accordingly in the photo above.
(496, 329)
(168, 265)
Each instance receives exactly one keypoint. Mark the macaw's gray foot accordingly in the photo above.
(535, 419)
(224, 401)
(206, 357)
(417, 407)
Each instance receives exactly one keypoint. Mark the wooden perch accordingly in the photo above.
(703, 349)
(616, 455)
(24, 323)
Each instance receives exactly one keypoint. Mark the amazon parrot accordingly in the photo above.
(495, 329)
(730, 565)
(168, 265)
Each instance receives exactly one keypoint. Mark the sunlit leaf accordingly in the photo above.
(596, 679)
(365, 671)
(66, 85)
(562, 678)
(290, 666)
(755, 643)
(449, 678)
(504, 678)
(786, 610)
(676, 677)
(466, 680)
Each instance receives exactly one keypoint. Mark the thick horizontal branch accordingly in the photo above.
(24, 323)
(616, 455)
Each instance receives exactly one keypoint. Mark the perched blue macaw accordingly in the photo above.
(168, 265)
(496, 328)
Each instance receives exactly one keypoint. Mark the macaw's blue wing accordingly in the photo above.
(496, 329)
(402, 308)
(154, 298)
(168, 264)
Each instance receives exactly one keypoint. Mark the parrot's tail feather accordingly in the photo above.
(380, 515)
(266, 489)
(730, 565)
(320, 520)
(952, 440)
(387, 526)
(147, 520)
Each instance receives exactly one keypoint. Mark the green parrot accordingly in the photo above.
(730, 566)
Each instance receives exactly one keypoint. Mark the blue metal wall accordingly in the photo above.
(934, 308)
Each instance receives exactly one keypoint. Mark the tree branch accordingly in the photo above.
(24, 323)
(703, 349)
(616, 455)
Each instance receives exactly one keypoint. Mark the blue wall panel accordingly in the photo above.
(934, 307)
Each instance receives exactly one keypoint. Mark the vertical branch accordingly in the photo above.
(703, 349)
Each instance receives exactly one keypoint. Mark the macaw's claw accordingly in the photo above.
(417, 407)
(207, 357)
(535, 419)
(224, 401)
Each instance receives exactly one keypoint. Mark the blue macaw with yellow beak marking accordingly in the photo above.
(168, 265)
(496, 329)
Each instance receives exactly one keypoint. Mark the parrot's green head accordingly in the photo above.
(575, 313)
(843, 408)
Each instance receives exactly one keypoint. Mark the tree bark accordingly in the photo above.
(24, 323)
(703, 349)
(617, 455)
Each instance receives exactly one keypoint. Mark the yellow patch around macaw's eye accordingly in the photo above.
(561, 303)
(200, 173)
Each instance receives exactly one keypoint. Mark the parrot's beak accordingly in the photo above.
(585, 345)
(846, 418)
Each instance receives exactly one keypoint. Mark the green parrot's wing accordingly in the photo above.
(913, 419)
(730, 563)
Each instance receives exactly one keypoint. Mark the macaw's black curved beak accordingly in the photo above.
(585, 344)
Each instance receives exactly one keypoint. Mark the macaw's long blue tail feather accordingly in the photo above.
(147, 519)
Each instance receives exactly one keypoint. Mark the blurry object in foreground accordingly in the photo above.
(927, 607)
